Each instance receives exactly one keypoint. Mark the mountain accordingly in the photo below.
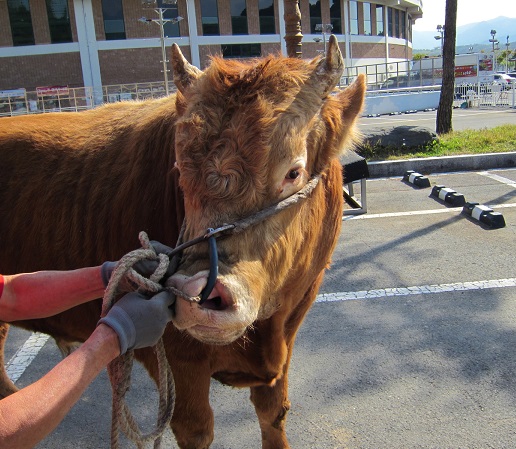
(472, 34)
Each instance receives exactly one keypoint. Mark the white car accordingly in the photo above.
(505, 80)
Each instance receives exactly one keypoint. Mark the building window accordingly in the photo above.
(397, 22)
(21, 22)
(266, 12)
(403, 17)
(353, 17)
(368, 26)
(241, 50)
(113, 13)
(210, 18)
(380, 30)
(239, 17)
(335, 16)
(390, 22)
(171, 29)
(59, 21)
(315, 14)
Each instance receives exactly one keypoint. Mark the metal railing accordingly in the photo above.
(63, 99)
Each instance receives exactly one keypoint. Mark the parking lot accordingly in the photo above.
(410, 343)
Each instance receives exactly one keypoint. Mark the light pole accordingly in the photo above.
(507, 45)
(161, 21)
(324, 28)
(494, 41)
(440, 36)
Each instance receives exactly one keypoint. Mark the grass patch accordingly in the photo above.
(493, 140)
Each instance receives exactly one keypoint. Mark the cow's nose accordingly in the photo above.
(219, 299)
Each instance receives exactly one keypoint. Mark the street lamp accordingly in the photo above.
(494, 41)
(324, 28)
(161, 21)
(507, 45)
(440, 36)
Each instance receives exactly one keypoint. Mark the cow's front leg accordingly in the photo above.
(271, 405)
(192, 422)
(6, 385)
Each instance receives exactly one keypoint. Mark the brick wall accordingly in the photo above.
(41, 70)
(6, 39)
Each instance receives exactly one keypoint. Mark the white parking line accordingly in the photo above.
(498, 178)
(421, 212)
(415, 290)
(25, 355)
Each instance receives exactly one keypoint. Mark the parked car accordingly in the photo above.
(503, 79)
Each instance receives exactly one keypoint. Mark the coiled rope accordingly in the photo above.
(120, 369)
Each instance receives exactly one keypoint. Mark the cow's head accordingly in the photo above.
(249, 135)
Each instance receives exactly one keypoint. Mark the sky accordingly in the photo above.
(469, 11)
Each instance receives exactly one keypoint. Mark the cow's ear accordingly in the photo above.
(340, 114)
(184, 72)
(329, 69)
(352, 100)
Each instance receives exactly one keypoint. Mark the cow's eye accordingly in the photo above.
(293, 174)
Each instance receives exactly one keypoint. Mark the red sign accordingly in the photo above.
(461, 71)
(52, 90)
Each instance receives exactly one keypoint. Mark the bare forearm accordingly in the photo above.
(29, 415)
(45, 293)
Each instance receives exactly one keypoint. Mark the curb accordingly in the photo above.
(385, 169)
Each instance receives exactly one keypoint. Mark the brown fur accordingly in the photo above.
(75, 190)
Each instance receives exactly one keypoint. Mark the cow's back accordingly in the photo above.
(76, 189)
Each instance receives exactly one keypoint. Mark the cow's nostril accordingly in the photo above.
(215, 303)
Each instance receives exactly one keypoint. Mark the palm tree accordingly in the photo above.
(293, 34)
(444, 111)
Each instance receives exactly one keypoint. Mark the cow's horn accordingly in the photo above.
(184, 72)
(330, 68)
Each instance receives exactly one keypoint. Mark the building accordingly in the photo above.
(106, 42)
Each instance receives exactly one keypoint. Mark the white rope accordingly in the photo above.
(120, 369)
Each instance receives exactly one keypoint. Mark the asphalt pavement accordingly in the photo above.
(409, 345)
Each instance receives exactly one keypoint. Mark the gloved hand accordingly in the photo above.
(143, 267)
(139, 321)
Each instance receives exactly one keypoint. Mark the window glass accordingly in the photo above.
(335, 16)
(380, 30)
(113, 14)
(267, 22)
(315, 14)
(403, 25)
(353, 17)
(239, 17)
(171, 28)
(390, 22)
(59, 21)
(210, 18)
(397, 23)
(21, 22)
(368, 28)
(241, 50)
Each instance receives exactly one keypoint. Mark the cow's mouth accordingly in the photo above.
(216, 303)
(222, 318)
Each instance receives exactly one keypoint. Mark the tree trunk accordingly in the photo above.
(293, 34)
(444, 111)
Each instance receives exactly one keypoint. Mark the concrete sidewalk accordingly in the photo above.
(383, 169)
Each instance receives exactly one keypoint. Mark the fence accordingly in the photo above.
(63, 99)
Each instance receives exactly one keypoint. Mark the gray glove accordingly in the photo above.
(143, 267)
(138, 321)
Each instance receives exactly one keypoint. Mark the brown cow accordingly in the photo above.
(75, 189)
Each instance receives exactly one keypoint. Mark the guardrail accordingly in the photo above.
(19, 102)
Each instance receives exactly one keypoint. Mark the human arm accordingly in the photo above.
(45, 293)
(133, 322)
(30, 414)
